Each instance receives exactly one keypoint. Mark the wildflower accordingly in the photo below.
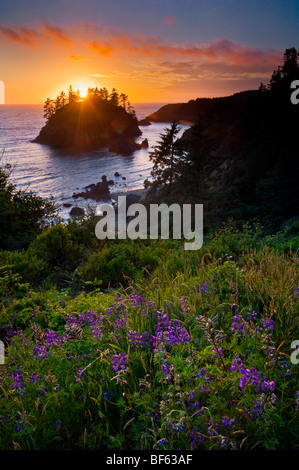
(40, 352)
(107, 395)
(97, 333)
(18, 383)
(57, 425)
(204, 288)
(226, 423)
(251, 316)
(268, 324)
(268, 385)
(178, 427)
(220, 353)
(201, 373)
(120, 362)
(167, 370)
(80, 375)
(238, 325)
(34, 378)
(284, 366)
(171, 333)
(184, 305)
(20, 427)
(120, 322)
(162, 442)
(51, 338)
(43, 390)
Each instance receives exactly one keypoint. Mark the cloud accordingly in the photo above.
(218, 51)
(106, 42)
(101, 49)
(77, 58)
(32, 38)
(20, 35)
(169, 20)
(57, 34)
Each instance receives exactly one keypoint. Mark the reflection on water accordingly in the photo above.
(56, 172)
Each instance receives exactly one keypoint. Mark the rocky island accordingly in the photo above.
(90, 124)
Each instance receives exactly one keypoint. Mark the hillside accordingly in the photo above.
(91, 124)
(194, 109)
(240, 155)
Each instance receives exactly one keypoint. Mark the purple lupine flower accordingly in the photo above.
(97, 333)
(120, 322)
(204, 288)
(57, 425)
(238, 325)
(201, 373)
(268, 324)
(270, 385)
(34, 378)
(170, 333)
(167, 370)
(51, 338)
(40, 352)
(20, 427)
(43, 390)
(184, 305)
(107, 395)
(162, 442)
(18, 383)
(137, 300)
(251, 315)
(120, 362)
(220, 353)
(80, 375)
(284, 366)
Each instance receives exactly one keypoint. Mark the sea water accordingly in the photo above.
(59, 173)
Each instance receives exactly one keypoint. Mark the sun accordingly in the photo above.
(83, 90)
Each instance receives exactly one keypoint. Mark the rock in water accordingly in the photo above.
(91, 124)
(77, 211)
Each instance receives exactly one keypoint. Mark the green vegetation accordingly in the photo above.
(121, 344)
(141, 345)
(22, 214)
(240, 157)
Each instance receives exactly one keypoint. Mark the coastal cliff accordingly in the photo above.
(190, 112)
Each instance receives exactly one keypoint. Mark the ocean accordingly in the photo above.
(58, 173)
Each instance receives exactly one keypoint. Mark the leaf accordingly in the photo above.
(127, 424)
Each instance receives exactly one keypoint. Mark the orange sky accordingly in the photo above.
(41, 59)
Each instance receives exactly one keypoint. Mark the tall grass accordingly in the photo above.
(192, 354)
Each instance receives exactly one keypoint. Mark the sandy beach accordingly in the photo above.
(136, 192)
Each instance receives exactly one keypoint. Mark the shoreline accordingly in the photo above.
(142, 192)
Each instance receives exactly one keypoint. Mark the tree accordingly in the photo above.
(63, 98)
(167, 158)
(104, 94)
(49, 108)
(130, 110)
(22, 214)
(114, 97)
(123, 98)
(290, 66)
(72, 96)
(58, 102)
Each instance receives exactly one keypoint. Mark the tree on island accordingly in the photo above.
(114, 98)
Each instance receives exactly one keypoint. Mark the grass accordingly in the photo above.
(188, 350)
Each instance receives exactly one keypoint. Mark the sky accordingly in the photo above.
(156, 51)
